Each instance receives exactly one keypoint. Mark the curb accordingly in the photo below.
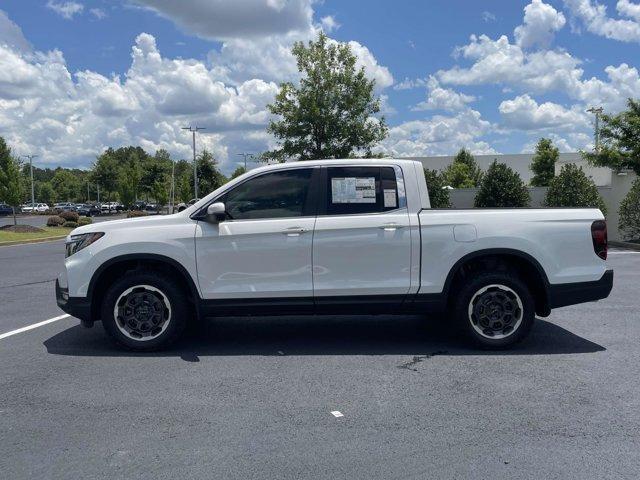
(35, 240)
(629, 245)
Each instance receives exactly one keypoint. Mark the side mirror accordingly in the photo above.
(216, 212)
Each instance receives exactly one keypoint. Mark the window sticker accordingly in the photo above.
(390, 198)
(353, 190)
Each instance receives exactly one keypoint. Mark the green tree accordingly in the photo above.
(127, 184)
(438, 195)
(185, 193)
(572, 188)
(46, 193)
(543, 163)
(502, 187)
(238, 171)
(619, 140)
(65, 185)
(11, 189)
(330, 114)
(465, 157)
(209, 176)
(629, 222)
(457, 175)
(105, 173)
(160, 192)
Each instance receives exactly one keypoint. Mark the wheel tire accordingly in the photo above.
(162, 292)
(498, 296)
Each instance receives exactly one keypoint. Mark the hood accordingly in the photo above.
(125, 223)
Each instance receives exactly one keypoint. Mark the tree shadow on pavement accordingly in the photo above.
(347, 335)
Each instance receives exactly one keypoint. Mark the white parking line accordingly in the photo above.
(628, 252)
(31, 327)
(337, 414)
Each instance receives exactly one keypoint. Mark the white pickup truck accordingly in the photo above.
(337, 237)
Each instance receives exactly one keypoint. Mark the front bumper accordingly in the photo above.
(78, 307)
(564, 294)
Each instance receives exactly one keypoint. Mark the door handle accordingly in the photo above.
(390, 227)
(294, 231)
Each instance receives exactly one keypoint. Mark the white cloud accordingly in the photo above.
(488, 16)
(501, 62)
(541, 21)
(98, 13)
(439, 98)
(11, 34)
(595, 19)
(524, 113)
(222, 19)
(439, 135)
(374, 71)
(67, 9)
(498, 62)
(629, 9)
(68, 119)
(329, 24)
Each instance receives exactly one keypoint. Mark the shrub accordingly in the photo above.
(55, 221)
(69, 216)
(438, 197)
(70, 224)
(502, 187)
(629, 223)
(84, 221)
(572, 188)
(136, 213)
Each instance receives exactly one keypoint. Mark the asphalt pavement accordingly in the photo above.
(247, 398)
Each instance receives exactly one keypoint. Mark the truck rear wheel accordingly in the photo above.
(144, 310)
(495, 310)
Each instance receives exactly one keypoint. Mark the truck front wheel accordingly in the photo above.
(144, 310)
(495, 310)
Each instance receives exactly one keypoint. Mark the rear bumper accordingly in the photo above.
(564, 294)
(78, 307)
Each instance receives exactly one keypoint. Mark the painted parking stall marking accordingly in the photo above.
(337, 414)
(31, 327)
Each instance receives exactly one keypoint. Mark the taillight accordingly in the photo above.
(599, 237)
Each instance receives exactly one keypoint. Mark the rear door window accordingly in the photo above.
(360, 190)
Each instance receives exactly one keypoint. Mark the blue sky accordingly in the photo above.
(493, 76)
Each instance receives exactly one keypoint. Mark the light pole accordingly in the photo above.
(245, 155)
(33, 197)
(193, 130)
(597, 111)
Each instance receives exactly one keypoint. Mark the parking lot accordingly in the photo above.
(252, 397)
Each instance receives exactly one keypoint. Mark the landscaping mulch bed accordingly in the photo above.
(21, 229)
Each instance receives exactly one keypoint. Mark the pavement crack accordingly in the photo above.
(28, 283)
(411, 365)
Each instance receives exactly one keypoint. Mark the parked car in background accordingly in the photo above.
(111, 207)
(5, 209)
(181, 206)
(35, 208)
(89, 210)
(138, 205)
(65, 207)
(334, 237)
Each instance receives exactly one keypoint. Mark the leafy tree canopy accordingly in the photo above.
(543, 163)
(502, 187)
(458, 175)
(572, 188)
(619, 140)
(465, 157)
(331, 113)
(11, 189)
(629, 222)
(438, 196)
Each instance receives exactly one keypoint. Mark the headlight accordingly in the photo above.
(78, 242)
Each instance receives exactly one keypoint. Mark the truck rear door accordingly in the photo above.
(362, 238)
